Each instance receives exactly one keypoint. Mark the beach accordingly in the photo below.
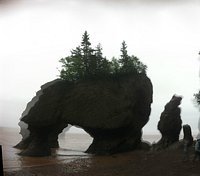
(71, 160)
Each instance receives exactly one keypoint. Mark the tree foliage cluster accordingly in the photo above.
(197, 95)
(87, 62)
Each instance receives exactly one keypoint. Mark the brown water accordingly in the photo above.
(72, 147)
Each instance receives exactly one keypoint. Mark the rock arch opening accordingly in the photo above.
(74, 138)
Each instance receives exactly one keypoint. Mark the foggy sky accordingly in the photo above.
(34, 35)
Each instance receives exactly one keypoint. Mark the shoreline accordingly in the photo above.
(168, 163)
(71, 160)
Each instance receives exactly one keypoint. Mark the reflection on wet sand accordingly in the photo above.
(71, 160)
(70, 150)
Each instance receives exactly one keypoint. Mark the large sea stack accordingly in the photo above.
(111, 110)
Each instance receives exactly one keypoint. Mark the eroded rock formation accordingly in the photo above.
(198, 135)
(170, 123)
(187, 132)
(112, 110)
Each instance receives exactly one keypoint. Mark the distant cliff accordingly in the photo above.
(112, 110)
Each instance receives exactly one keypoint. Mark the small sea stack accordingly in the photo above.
(187, 134)
(170, 123)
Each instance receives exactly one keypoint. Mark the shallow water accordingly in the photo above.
(72, 147)
(70, 160)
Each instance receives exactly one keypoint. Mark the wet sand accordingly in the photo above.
(70, 160)
(70, 149)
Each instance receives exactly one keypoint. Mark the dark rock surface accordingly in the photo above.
(187, 134)
(170, 123)
(112, 110)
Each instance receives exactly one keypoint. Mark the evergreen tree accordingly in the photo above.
(130, 64)
(135, 65)
(125, 59)
(103, 65)
(72, 66)
(115, 66)
(86, 62)
(197, 95)
(78, 63)
(87, 53)
(99, 57)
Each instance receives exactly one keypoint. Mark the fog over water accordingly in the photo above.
(34, 35)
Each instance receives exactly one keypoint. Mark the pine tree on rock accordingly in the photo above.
(87, 53)
(125, 58)
(115, 66)
(103, 65)
(72, 66)
(88, 63)
(130, 64)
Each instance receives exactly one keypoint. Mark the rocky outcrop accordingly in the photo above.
(187, 132)
(23, 126)
(198, 135)
(170, 123)
(112, 110)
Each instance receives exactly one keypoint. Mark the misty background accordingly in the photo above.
(164, 34)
